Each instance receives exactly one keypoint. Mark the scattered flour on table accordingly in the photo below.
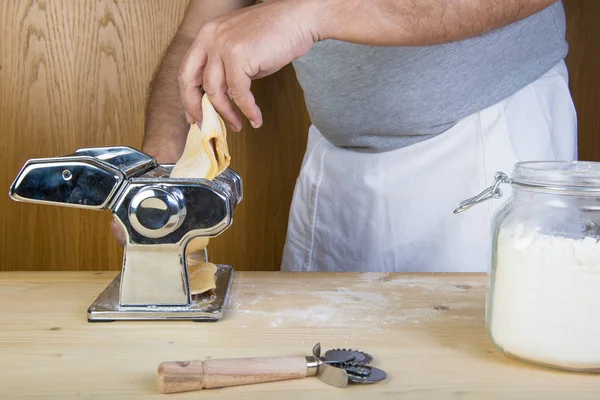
(353, 305)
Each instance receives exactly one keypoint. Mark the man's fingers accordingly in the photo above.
(239, 90)
(191, 74)
(118, 232)
(215, 86)
(188, 118)
(191, 98)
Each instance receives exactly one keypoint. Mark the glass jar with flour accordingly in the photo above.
(544, 292)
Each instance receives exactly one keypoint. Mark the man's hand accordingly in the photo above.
(251, 43)
(233, 49)
(166, 127)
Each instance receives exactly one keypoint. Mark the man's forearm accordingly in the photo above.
(164, 114)
(166, 127)
(417, 23)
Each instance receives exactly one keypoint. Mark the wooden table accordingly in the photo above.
(426, 331)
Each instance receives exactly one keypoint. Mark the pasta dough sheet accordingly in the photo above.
(206, 155)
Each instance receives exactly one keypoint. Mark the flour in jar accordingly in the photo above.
(546, 298)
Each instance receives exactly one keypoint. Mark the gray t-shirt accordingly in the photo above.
(372, 98)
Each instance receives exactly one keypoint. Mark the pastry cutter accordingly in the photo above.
(336, 367)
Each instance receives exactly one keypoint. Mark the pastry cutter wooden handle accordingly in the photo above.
(183, 376)
(336, 368)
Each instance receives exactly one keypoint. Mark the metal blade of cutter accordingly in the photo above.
(337, 356)
(359, 373)
(333, 376)
(334, 359)
(342, 368)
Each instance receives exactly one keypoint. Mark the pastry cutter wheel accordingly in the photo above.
(336, 367)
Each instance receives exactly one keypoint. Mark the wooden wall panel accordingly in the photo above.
(583, 35)
(74, 73)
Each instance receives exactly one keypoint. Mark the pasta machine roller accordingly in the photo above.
(159, 215)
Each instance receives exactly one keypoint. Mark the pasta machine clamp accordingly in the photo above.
(159, 215)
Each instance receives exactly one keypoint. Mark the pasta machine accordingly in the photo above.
(159, 215)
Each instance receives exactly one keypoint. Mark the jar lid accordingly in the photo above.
(561, 176)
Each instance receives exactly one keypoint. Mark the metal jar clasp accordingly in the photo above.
(492, 192)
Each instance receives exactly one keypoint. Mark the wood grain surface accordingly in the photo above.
(74, 73)
(583, 35)
(426, 331)
(189, 375)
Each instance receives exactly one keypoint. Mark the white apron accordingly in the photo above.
(393, 211)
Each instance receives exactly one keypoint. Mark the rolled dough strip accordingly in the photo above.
(206, 155)
(201, 277)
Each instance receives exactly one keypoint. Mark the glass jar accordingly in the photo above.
(544, 289)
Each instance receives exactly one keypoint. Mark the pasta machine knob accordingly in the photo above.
(157, 211)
